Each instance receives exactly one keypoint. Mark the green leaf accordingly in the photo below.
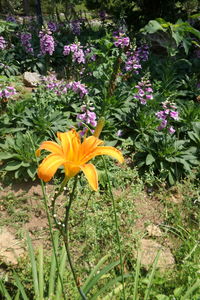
(152, 27)
(190, 290)
(33, 266)
(31, 171)
(151, 276)
(5, 155)
(186, 45)
(20, 286)
(149, 159)
(162, 297)
(171, 179)
(13, 165)
(178, 291)
(177, 37)
(96, 278)
(108, 285)
(4, 291)
(53, 264)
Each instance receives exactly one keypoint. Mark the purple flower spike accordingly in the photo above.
(47, 43)
(145, 92)
(166, 115)
(88, 117)
(2, 43)
(26, 42)
(121, 41)
(171, 130)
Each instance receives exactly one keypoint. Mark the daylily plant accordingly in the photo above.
(74, 155)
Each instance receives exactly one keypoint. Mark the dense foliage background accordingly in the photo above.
(135, 65)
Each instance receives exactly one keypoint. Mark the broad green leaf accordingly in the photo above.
(149, 159)
(13, 165)
(5, 155)
(152, 27)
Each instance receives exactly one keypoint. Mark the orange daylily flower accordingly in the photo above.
(74, 155)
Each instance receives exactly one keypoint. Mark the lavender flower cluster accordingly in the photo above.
(47, 43)
(145, 91)
(142, 52)
(121, 41)
(52, 26)
(76, 27)
(25, 38)
(53, 84)
(77, 52)
(132, 63)
(7, 92)
(78, 88)
(60, 87)
(2, 43)
(169, 112)
(134, 58)
(11, 19)
(88, 117)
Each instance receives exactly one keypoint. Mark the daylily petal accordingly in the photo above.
(88, 146)
(105, 150)
(49, 166)
(50, 146)
(70, 142)
(64, 142)
(71, 169)
(91, 174)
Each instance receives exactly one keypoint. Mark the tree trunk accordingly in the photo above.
(26, 7)
(38, 11)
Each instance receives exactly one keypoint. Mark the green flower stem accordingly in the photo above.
(49, 222)
(65, 234)
(117, 227)
(56, 194)
(52, 239)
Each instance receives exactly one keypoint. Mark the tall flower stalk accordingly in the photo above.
(74, 156)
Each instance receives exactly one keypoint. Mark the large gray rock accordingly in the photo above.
(149, 250)
(31, 79)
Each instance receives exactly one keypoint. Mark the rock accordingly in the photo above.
(10, 247)
(31, 79)
(153, 230)
(149, 250)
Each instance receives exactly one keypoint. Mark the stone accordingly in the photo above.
(31, 79)
(154, 230)
(10, 247)
(149, 250)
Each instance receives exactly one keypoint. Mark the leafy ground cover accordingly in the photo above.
(144, 87)
(174, 212)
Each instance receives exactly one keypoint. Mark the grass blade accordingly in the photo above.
(20, 286)
(137, 274)
(99, 275)
(4, 291)
(95, 269)
(151, 276)
(61, 270)
(116, 291)
(34, 266)
(41, 272)
(17, 295)
(108, 285)
(53, 266)
(195, 286)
